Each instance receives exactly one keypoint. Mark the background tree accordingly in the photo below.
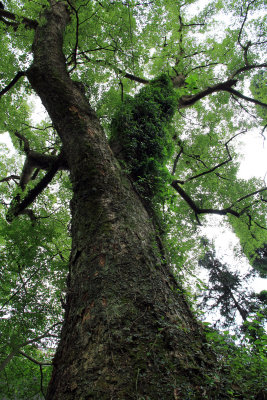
(128, 331)
(228, 292)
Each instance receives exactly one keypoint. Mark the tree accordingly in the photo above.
(229, 292)
(128, 330)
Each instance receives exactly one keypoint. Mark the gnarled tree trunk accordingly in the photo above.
(128, 331)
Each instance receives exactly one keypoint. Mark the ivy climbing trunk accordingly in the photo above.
(128, 331)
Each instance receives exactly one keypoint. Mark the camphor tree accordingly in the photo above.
(145, 102)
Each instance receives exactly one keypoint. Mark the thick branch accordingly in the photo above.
(238, 94)
(38, 160)
(12, 83)
(7, 359)
(18, 207)
(29, 23)
(187, 101)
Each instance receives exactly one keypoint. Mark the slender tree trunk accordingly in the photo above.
(128, 331)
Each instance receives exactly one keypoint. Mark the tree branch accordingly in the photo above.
(16, 349)
(29, 23)
(225, 211)
(243, 23)
(74, 53)
(33, 359)
(18, 207)
(13, 82)
(248, 195)
(187, 101)
(247, 68)
(7, 359)
(9, 178)
(44, 335)
(216, 166)
(176, 161)
(34, 160)
(116, 69)
(238, 94)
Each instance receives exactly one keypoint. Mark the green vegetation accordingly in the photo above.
(175, 86)
(142, 129)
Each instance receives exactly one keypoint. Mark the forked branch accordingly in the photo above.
(227, 86)
(210, 170)
(228, 210)
(11, 19)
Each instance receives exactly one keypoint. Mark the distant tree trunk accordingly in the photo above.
(128, 331)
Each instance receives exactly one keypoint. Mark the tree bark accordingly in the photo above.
(128, 332)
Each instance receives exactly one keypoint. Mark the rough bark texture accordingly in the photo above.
(128, 331)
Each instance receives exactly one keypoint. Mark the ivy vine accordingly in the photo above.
(141, 133)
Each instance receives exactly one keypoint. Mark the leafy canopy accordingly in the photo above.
(175, 85)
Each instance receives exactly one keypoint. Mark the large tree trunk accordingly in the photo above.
(128, 331)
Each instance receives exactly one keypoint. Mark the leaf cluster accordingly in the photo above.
(141, 129)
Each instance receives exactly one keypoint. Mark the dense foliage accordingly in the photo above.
(141, 129)
(175, 86)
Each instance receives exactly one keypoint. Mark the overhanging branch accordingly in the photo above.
(225, 211)
(18, 207)
(12, 83)
(116, 69)
(227, 86)
(5, 16)
(247, 68)
(210, 170)
(187, 101)
(242, 96)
